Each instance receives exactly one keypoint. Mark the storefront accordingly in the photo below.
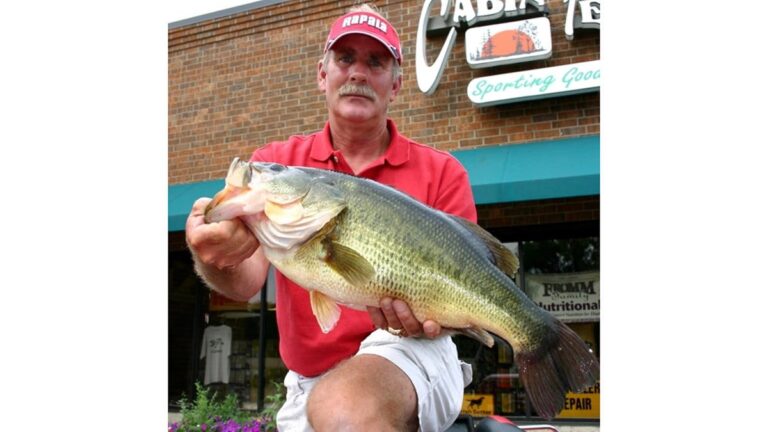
(523, 117)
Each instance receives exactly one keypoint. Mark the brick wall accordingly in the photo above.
(540, 219)
(238, 82)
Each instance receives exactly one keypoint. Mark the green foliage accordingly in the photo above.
(210, 413)
(208, 409)
(272, 404)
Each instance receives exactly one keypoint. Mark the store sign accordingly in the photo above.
(477, 404)
(589, 17)
(571, 297)
(509, 42)
(582, 405)
(535, 84)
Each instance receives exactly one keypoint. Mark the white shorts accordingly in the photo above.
(432, 365)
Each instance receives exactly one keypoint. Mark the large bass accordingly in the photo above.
(353, 241)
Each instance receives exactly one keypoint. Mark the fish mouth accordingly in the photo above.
(242, 195)
(232, 202)
(211, 212)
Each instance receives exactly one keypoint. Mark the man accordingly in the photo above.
(381, 369)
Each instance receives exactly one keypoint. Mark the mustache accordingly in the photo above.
(357, 90)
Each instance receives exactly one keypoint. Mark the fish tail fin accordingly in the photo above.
(566, 364)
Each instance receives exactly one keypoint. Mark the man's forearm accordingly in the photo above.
(240, 282)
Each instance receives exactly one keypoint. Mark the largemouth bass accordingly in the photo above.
(353, 241)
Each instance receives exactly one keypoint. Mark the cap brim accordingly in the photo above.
(386, 44)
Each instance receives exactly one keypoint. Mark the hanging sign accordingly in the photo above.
(571, 297)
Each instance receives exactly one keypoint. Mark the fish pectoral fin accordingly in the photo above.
(349, 264)
(478, 334)
(325, 309)
(284, 213)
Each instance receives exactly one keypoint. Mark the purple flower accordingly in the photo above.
(203, 427)
(173, 427)
(231, 426)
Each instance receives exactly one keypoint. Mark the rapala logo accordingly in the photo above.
(518, 40)
(365, 19)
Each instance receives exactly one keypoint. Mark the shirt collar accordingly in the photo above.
(397, 152)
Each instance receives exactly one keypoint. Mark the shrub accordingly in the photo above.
(207, 413)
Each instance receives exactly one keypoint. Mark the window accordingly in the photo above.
(193, 309)
(562, 276)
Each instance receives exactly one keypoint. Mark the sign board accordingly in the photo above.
(535, 84)
(509, 42)
(582, 405)
(525, 35)
(477, 404)
(571, 297)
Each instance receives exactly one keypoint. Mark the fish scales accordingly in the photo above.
(437, 265)
(356, 241)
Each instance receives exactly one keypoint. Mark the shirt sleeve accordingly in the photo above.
(203, 346)
(227, 349)
(455, 192)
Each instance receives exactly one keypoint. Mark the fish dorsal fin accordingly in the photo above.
(345, 261)
(499, 254)
(325, 309)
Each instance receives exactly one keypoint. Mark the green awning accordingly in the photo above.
(182, 196)
(518, 172)
(522, 172)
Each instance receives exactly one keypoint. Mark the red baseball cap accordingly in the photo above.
(369, 24)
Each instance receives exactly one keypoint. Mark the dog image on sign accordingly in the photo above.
(477, 404)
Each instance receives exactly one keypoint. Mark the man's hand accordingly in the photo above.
(224, 244)
(396, 315)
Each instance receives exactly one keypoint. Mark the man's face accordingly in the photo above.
(358, 81)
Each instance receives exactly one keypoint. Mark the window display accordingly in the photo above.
(563, 277)
(244, 357)
(216, 349)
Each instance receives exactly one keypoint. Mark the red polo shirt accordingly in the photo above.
(431, 176)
